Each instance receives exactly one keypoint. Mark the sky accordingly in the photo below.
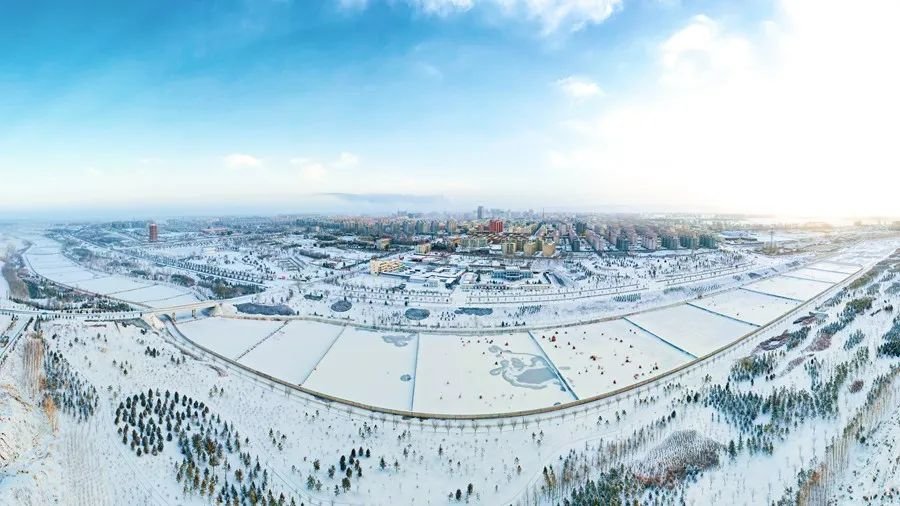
(147, 107)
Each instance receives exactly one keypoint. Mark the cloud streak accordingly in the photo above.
(241, 161)
(551, 16)
(579, 88)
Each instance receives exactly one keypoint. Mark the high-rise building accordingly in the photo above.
(548, 249)
(153, 232)
(480, 212)
(496, 226)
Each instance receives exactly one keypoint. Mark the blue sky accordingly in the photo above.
(261, 104)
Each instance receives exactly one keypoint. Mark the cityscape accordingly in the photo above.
(443, 252)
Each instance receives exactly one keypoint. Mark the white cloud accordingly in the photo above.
(346, 160)
(551, 15)
(441, 7)
(701, 50)
(315, 170)
(786, 119)
(241, 161)
(579, 87)
(562, 15)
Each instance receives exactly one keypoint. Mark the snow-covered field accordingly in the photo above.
(747, 306)
(46, 259)
(601, 357)
(791, 288)
(819, 275)
(839, 267)
(226, 336)
(692, 329)
(293, 351)
(113, 285)
(372, 368)
(486, 374)
(154, 293)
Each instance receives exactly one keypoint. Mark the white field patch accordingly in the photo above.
(171, 302)
(837, 267)
(228, 337)
(744, 305)
(602, 357)
(792, 288)
(692, 329)
(67, 275)
(117, 286)
(292, 352)
(486, 374)
(153, 293)
(5, 322)
(56, 267)
(819, 275)
(374, 368)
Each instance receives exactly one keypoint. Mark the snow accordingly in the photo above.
(226, 336)
(691, 329)
(86, 464)
(154, 293)
(838, 267)
(819, 275)
(363, 366)
(112, 285)
(293, 351)
(791, 288)
(476, 374)
(624, 353)
(747, 306)
(171, 302)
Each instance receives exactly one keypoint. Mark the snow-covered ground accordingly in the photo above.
(293, 351)
(747, 306)
(49, 457)
(45, 257)
(598, 358)
(484, 374)
(372, 368)
(226, 336)
(691, 329)
(790, 288)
